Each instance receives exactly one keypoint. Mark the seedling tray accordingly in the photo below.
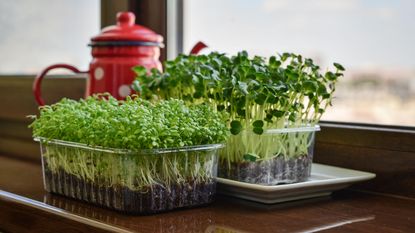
(135, 182)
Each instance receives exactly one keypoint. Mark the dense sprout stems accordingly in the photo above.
(133, 124)
(132, 171)
(287, 91)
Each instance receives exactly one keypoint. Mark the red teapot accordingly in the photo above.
(115, 51)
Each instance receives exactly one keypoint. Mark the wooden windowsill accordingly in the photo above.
(26, 207)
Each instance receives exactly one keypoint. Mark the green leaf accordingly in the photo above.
(240, 102)
(258, 130)
(139, 70)
(260, 99)
(272, 100)
(338, 66)
(241, 112)
(326, 96)
(292, 74)
(277, 113)
(220, 108)
(309, 62)
(331, 76)
(136, 86)
(258, 124)
(250, 157)
(292, 117)
(321, 89)
(236, 127)
(235, 131)
(198, 95)
(236, 124)
(284, 56)
(243, 87)
(310, 86)
(310, 95)
(273, 62)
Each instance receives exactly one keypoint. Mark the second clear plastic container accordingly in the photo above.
(138, 182)
(278, 156)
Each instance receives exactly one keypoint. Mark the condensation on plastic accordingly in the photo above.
(274, 170)
(115, 178)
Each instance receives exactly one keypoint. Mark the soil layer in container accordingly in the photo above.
(277, 170)
(148, 200)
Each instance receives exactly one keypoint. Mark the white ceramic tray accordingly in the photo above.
(323, 181)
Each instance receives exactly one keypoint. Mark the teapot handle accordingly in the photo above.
(37, 91)
(197, 47)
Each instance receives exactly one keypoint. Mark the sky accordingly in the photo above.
(361, 34)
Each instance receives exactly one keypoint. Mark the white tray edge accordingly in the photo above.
(349, 176)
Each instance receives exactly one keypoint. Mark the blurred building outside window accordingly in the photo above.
(373, 39)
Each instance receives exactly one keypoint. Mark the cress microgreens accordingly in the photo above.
(258, 94)
(133, 124)
(130, 124)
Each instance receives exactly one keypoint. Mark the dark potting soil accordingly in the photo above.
(152, 199)
(274, 171)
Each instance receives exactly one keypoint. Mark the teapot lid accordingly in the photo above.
(126, 32)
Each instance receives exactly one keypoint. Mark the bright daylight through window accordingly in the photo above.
(39, 33)
(373, 39)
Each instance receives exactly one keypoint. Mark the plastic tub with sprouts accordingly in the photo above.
(138, 182)
(278, 156)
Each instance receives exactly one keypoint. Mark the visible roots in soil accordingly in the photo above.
(273, 171)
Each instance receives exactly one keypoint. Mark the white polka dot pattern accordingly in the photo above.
(124, 90)
(99, 73)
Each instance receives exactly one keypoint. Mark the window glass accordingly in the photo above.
(35, 34)
(373, 39)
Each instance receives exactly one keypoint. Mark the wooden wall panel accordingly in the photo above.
(15, 129)
(25, 149)
(18, 102)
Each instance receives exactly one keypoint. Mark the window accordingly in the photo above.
(372, 39)
(36, 34)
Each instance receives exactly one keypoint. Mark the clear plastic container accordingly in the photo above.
(278, 156)
(137, 182)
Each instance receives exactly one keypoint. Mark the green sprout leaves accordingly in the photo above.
(258, 131)
(258, 127)
(258, 124)
(338, 66)
(130, 124)
(140, 71)
(285, 90)
(236, 127)
(255, 93)
(243, 87)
